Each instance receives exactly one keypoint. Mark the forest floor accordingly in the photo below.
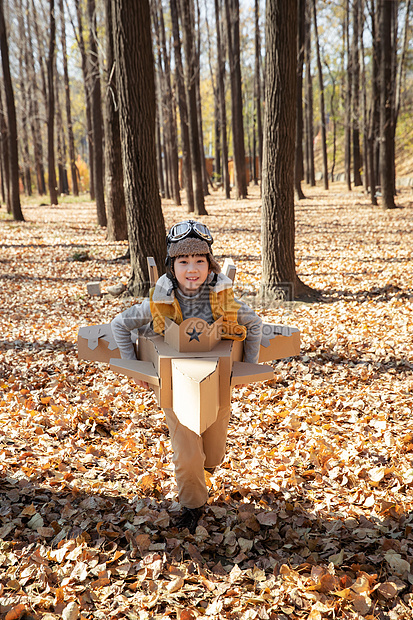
(311, 513)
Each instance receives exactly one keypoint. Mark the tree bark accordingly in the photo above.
(197, 29)
(24, 115)
(278, 225)
(63, 187)
(5, 160)
(71, 140)
(190, 71)
(347, 122)
(86, 80)
(34, 109)
(96, 111)
(12, 124)
(355, 95)
(309, 123)
(257, 89)
(322, 105)
(222, 104)
(375, 108)
(136, 89)
(232, 20)
(117, 229)
(170, 128)
(299, 163)
(51, 107)
(183, 110)
(386, 105)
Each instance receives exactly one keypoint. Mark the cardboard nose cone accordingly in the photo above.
(195, 388)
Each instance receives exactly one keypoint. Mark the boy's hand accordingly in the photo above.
(142, 384)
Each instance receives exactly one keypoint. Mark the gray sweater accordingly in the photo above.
(192, 306)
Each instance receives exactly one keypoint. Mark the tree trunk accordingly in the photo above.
(401, 64)
(86, 80)
(11, 118)
(322, 106)
(96, 110)
(159, 159)
(375, 108)
(232, 20)
(136, 89)
(257, 89)
(41, 56)
(34, 110)
(183, 110)
(222, 104)
(61, 141)
(366, 179)
(347, 122)
(299, 163)
(278, 226)
(309, 123)
(117, 229)
(197, 29)
(386, 105)
(72, 156)
(5, 160)
(24, 103)
(172, 145)
(51, 108)
(355, 97)
(214, 80)
(191, 68)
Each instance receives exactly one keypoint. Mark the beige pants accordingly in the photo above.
(191, 453)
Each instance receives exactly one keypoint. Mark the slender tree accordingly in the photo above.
(355, 94)
(234, 56)
(117, 229)
(205, 177)
(24, 115)
(309, 116)
(375, 108)
(136, 89)
(34, 107)
(278, 227)
(257, 86)
(51, 106)
(222, 104)
(183, 109)
(299, 163)
(96, 111)
(5, 156)
(169, 103)
(386, 105)
(86, 84)
(347, 97)
(322, 106)
(12, 123)
(190, 80)
(72, 156)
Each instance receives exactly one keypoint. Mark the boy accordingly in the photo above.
(193, 286)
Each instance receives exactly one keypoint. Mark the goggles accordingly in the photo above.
(189, 228)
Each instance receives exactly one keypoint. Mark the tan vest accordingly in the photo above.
(222, 304)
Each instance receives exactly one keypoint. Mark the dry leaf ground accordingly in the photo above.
(310, 515)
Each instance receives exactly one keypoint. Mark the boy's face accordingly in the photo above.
(191, 272)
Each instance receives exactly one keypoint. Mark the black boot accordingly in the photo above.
(189, 518)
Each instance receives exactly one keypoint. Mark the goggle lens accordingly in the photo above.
(183, 229)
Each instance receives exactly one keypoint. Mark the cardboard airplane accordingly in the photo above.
(190, 369)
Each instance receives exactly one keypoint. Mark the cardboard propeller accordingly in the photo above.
(190, 368)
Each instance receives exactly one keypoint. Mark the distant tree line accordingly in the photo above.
(358, 49)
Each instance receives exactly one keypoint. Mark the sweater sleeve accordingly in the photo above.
(253, 323)
(122, 325)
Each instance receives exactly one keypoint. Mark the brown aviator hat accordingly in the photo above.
(191, 238)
